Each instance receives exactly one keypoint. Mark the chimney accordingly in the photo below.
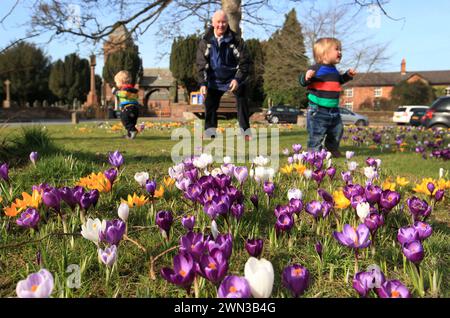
(403, 70)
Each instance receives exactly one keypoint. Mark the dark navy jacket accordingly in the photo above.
(218, 65)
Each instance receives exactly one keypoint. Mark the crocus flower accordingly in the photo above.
(413, 251)
(222, 242)
(188, 222)
(111, 174)
(318, 176)
(116, 159)
(362, 283)
(347, 176)
(108, 256)
(112, 231)
(269, 188)
(34, 157)
(354, 238)
(373, 221)
(141, 178)
(297, 148)
(234, 287)
(193, 244)
(123, 211)
(331, 171)
(363, 210)
(237, 210)
(423, 229)
(260, 276)
(254, 199)
(296, 278)
(318, 247)
(4, 172)
(29, 218)
(164, 219)
(89, 199)
(439, 195)
(254, 247)
(183, 271)
(389, 199)
(393, 289)
(214, 266)
(373, 193)
(325, 195)
(407, 234)
(67, 195)
(314, 208)
(418, 207)
(296, 205)
(52, 199)
(294, 194)
(431, 187)
(214, 230)
(241, 174)
(285, 222)
(349, 154)
(203, 161)
(36, 285)
(352, 165)
(91, 230)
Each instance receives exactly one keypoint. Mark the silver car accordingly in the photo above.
(351, 118)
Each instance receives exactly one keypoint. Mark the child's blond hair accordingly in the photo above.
(122, 78)
(322, 46)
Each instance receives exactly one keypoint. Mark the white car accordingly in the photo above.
(403, 113)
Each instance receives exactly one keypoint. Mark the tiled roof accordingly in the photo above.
(157, 77)
(393, 78)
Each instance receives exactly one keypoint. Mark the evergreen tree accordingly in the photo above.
(69, 80)
(285, 60)
(182, 61)
(415, 93)
(256, 75)
(28, 68)
(128, 60)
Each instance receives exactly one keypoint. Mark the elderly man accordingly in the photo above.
(223, 65)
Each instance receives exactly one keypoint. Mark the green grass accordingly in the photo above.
(68, 153)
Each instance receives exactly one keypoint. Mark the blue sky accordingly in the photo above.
(422, 37)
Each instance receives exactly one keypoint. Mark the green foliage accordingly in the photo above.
(28, 68)
(182, 61)
(284, 61)
(128, 60)
(69, 80)
(415, 93)
(256, 74)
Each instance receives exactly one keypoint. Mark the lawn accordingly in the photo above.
(68, 153)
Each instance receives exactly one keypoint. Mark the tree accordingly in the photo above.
(28, 68)
(69, 80)
(127, 59)
(182, 61)
(285, 60)
(414, 93)
(256, 75)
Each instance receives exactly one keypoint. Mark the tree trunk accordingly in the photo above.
(233, 9)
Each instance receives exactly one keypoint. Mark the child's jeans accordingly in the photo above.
(129, 117)
(324, 123)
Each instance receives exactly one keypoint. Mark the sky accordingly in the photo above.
(420, 33)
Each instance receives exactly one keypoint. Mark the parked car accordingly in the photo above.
(403, 113)
(417, 116)
(438, 116)
(349, 117)
(283, 113)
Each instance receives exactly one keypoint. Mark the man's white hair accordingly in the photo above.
(219, 13)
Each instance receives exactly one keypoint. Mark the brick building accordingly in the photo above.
(369, 88)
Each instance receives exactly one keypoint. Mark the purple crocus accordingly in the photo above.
(331, 171)
(222, 242)
(418, 207)
(164, 220)
(193, 244)
(192, 192)
(297, 148)
(52, 199)
(36, 285)
(413, 251)
(285, 222)
(254, 247)
(326, 196)
(188, 222)
(4, 172)
(373, 193)
(318, 176)
(269, 188)
(439, 195)
(296, 278)
(241, 174)
(34, 157)
(113, 232)
(213, 267)
(389, 199)
(296, 205)
(347, 177)
(108, 256)
(393, 289)
(234, 287)
(314, 208)
(407, 234)
(111, 174)
(116, 159)
(423, 229)
(374, 221)
(67, 195)
(254, 199)
(354, 238)
(89, 199)
(237, 210)
(28, 219)
(319, 248)
(431, 187)
(183, 271)
(362, 283)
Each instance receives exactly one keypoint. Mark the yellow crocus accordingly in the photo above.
(169, 182)
(11, 210)
(29, 201)
(340, 201)
(299, 168)
(388, 185)
(95, 181)
(135, 200)
(401, 181)
(287, 169)
(159, 193)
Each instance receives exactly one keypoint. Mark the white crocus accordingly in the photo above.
(123, 211)
(307, 173)
(294, 194)
(363, 210)
(214, 230)
(329, 162)
(226, 159)
(91, 229)
(349, 154)
(370, 173)
(441, 173)
(352, 165)
(295, 157)
(328, 155)
(261, 161)
(203, 161)
(176, 172)
(141, 178)
(378, 161)
(260, 277)
(216, 171)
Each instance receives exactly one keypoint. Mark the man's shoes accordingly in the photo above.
(336, 154)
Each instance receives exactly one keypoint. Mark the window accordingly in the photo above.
(447, 91)
(348, 92)
(378, 92)
(349, 105)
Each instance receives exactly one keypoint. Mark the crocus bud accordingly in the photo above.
(254, 199)
(430, 187)
(123, 211)
(34, 157)
(439, 195)
(318, 247)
